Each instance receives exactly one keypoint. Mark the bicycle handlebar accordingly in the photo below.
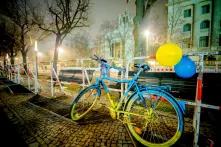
(104, 62)
(143, 67)
(98, 59)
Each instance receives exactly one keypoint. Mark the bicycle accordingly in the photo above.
(153, 116)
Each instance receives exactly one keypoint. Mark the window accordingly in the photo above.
(187, 13)
(187, 27)
(220, 24)
(204, 24)
(205, 9)
(204, 41)
(219, 39)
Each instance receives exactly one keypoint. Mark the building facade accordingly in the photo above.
(119, 43)
(154, 27)
(195, 24)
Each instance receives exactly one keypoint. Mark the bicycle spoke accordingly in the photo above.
(84, 103)
(158, 122)
(153, 116)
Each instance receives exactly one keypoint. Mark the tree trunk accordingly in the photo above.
(23, 50)
(24, 59)
(123, 52)
(12, 60)
(55, 59)
(5, 61)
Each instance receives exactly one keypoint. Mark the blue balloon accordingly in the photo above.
(186, 68)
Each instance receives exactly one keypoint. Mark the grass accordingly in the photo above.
(72, 87)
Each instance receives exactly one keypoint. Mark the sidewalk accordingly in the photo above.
(40, 127)
(7, 134)
(29, 120)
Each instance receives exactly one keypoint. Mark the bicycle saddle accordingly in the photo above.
(103, 60)
(144, 66)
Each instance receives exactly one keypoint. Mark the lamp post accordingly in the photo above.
(36, 58)
(147, 35)
(7, 59)
(36, 67)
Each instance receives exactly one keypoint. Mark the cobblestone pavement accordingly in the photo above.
(61, 106)
(44, 122)
(40, 127)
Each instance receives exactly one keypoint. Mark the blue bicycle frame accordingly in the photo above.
(131, 83)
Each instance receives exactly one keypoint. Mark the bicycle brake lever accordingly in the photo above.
(96, 57)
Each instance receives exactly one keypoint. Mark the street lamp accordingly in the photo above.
(147, 34)
(40, 55)
(36, 58)
(7, 59)
(60, 50)
(36, 67)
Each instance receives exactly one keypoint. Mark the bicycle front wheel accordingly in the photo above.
(84, 102)
(156, 119)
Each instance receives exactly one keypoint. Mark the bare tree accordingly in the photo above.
(14, 46)
(142, 8)
(98, 42)
(81, 44)
(8, 41)
(5, 42)
(123, 31)
(63, 16)
(19, 12)
(174, 19)
(105, 29)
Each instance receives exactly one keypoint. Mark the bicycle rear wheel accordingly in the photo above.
(160, 124)
(84, 102)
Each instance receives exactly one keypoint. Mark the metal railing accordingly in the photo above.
(84, 65)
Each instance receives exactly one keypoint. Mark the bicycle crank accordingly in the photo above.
(113, 114)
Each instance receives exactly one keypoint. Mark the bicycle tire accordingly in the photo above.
(163, 121)
(81, 106)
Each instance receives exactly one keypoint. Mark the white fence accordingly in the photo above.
(44, 81)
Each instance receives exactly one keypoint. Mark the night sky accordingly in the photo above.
(102, 10)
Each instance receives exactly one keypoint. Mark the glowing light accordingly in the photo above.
(152, 62)
(40, 54)
(146, 33)
(36, 46)
(60, 50)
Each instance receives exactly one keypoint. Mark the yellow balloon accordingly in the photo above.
(169, 54)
